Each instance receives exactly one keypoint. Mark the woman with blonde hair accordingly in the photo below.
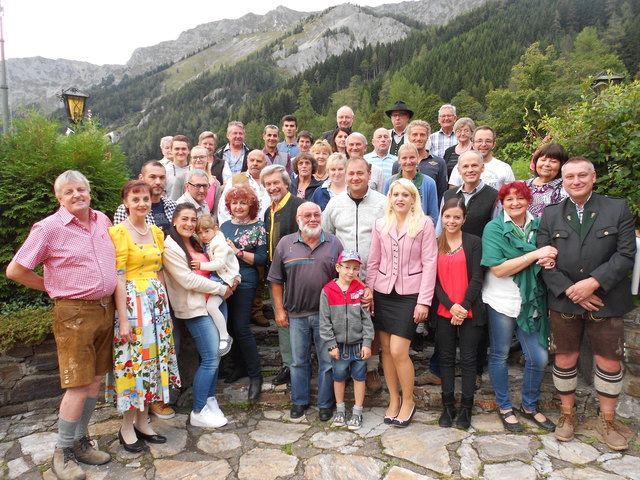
(321, 151)
(401, 272)
(335, 184)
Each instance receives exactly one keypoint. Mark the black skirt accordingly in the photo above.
(394, 313)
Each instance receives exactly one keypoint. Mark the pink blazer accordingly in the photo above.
(408, 264)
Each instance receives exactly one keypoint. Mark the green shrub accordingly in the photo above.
(605, 129)
(25, 327)
(31, 157)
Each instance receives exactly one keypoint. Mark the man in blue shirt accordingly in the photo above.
(290, 129)
(380, 156)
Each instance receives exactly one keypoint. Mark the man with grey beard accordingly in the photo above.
(305, 259)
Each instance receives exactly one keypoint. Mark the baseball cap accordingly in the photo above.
(348, 255)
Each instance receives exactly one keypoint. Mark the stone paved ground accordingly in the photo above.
(264, 443)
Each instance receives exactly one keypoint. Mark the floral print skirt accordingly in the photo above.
(145, 368)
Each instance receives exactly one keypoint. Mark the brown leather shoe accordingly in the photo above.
(610, 434)
(85, 451)
(65, 465)
(373, 381)
(566, 424)
(428, 378)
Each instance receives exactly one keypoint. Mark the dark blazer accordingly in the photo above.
(308, 193)
(284, 223)
(602, 247)
(472, 247)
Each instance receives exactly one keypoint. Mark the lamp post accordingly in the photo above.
(4, 89)
(75, 103)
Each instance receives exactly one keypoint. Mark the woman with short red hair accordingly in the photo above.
(516, 301)
(246, 235)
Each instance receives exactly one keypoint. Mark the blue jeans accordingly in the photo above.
(207, 339)
(245, 349)
(350, 363)
(501, 330)
(303, 330)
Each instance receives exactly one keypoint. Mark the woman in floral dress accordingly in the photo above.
(247, 237)
(144, 356)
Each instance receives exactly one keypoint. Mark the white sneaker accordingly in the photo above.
(206, 419)
(212, 405)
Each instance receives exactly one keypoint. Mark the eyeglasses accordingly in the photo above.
(350, 269)
(307, 216)
(198, 157)
(199, 186)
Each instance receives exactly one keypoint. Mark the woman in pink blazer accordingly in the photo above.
(401, 271)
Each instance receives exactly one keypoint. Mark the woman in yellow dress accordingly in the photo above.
(144, 356)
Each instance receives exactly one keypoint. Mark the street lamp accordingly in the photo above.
(75, 102)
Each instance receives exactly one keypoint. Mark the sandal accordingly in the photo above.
(547, 424)
(511, 427)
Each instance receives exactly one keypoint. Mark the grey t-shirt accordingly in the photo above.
(304, 271)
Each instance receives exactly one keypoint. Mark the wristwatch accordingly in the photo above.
(332, 348)
(240, 253)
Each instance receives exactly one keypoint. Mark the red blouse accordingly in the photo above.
(452, 274)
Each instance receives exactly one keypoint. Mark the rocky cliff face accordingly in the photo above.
(210, 35)
(302, 39)
(37, 80)
(339, 29)
(431, 12)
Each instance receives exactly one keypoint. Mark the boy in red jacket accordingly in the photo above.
(347, 330)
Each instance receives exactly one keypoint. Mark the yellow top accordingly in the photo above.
(139, 262)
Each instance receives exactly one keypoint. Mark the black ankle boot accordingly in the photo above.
(255, 387)
(448, 410)
(464, 419)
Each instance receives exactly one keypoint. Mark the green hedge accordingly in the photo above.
(25, 327)
(32, 155)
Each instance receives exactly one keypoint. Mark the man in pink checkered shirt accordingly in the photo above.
(79, 262)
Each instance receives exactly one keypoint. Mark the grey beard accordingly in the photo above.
(311, 232)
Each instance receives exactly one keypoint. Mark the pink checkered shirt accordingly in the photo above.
(78, 264)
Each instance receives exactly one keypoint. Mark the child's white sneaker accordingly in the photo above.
(225, 346)
(339, 420)
(355, 422)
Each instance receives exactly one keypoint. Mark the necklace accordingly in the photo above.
(237, 221)
(143, 233)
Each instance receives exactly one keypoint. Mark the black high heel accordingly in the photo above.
(155, 438)
(135, 447)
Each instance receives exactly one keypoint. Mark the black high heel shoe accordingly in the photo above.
(135, 447)
(155, 438)
(396, 422)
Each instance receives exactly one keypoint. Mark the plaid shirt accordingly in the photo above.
(168, 205)
(78, 263)
(440, 141)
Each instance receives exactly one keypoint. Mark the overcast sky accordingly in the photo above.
(100, 32)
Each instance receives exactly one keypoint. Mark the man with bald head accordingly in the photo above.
(380, 157)
(356, 148)
(303, 263)
(344, 119)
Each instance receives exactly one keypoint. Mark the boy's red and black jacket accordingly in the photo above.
(342, 318)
